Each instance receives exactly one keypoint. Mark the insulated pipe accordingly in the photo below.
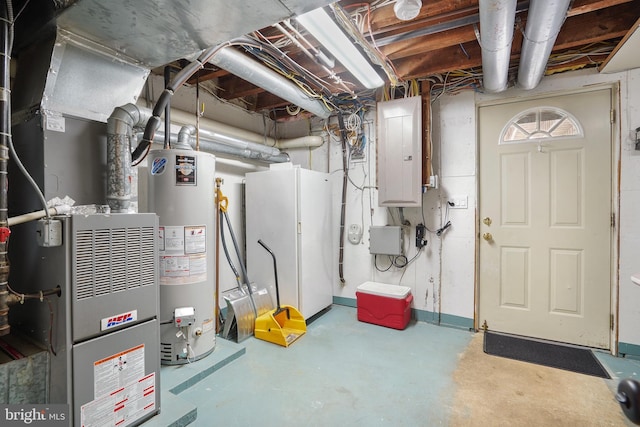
(544, 20)
(186, 118)
(246, 68)
(497, 19)
(119, 135)
(245, 150)
(163, 100)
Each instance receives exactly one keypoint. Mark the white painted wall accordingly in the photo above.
(442, 277)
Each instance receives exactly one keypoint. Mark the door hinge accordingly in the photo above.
(613, 220)
(613, 116)
(611, 321)
(485, 326)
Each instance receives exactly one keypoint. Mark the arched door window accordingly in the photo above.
(540, 123)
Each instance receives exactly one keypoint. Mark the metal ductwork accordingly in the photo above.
(182, 117)
(120, 139)
(252, 71)
(497, 19)
(208, 141)
(544, 21)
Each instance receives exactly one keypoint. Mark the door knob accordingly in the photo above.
(487, 221)
(488, 237)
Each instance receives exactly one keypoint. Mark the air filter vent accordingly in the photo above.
(113, 260)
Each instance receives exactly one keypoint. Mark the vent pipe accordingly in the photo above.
(497, 19)
(544, 20)
(246, 68)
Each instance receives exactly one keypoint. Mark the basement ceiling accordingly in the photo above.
(438, 46)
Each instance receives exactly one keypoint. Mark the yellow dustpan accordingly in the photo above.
(283, 325)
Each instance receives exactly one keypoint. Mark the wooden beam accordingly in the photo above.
(442, 10)
(232, 87)
(420, 45)
(580, 7)
(579, 30)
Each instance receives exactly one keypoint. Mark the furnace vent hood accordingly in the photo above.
(85, 58)
(156, 32)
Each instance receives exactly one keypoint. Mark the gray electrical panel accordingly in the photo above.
(107, 333)
(385, 240)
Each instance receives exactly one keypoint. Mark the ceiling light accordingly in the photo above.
(406, 10)
(326, 31)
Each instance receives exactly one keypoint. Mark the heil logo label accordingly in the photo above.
(118, 319)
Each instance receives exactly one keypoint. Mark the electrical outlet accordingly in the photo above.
(433, 182)
(459, 202)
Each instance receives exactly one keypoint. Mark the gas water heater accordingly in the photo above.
(181, 193)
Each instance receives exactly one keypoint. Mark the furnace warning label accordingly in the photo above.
(122, 392)
(123, 406)
(116, 371)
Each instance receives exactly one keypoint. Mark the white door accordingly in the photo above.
(545, 218)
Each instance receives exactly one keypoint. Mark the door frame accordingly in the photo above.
(614, 240)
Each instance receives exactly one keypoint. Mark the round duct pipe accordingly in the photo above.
(246, 68)
(544, 20)
(185, 118)
(497, 20)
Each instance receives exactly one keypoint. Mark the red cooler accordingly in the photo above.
(383, 304)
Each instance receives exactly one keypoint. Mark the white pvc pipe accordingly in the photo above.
(32, 216)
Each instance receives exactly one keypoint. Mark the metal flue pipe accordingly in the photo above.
(497, 19)
(544, 20)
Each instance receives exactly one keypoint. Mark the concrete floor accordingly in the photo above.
(348, 373)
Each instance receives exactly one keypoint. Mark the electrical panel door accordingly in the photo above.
(400, 152)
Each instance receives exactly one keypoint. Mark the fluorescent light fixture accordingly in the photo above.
(326, 31)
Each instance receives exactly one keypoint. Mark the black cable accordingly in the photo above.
(396, 264)
(345, 178)
(375, 264)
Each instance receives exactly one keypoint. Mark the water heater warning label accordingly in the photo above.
(185, 170)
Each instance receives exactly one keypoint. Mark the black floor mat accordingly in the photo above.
(555, 355)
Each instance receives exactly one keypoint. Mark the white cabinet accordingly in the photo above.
(289, 209)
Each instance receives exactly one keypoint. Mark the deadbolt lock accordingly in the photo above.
(488, 237)
(487, 221)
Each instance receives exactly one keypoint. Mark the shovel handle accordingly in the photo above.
(275, 270)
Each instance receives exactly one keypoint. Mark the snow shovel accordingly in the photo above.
(283, 325)
(246, 302)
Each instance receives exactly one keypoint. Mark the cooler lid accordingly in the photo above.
(384, 290)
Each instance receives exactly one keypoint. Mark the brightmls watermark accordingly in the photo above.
(53, 415)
